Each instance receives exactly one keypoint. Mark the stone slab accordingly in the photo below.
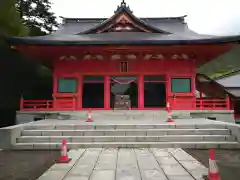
(146, 160)
(153, 175)
(52, 133)
(107, 160)
(31, 133)
(174, 170)
(76, 178)
(160, 152)
(86, 163)
(103, 174)
(53, 175)
(187, 177)
(181, 155)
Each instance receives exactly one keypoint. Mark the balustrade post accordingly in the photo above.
(174, 102)
(201, 104)
(228, 102)
(74, 102)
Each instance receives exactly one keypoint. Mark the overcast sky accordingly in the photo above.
(220, 17)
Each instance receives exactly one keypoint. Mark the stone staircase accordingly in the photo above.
(168, 135)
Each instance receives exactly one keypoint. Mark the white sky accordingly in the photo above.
(219, 17)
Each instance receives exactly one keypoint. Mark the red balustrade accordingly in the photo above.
(48, 105)
(201, 104)
(36, 105)
(69, 103)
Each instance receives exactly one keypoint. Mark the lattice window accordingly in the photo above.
(123, 66)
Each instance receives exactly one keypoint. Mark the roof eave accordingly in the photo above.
(16, 41)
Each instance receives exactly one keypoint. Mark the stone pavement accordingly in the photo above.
(127, 164)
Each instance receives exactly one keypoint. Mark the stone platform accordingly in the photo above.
(127, 164)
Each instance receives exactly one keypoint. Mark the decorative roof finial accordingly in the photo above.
(123, 6)
(123, 3)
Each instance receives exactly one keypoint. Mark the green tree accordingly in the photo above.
(10, 21)
(37, 16)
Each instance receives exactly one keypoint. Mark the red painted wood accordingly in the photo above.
(107, 92)
(150, 67)
(200, 104)
(140, 91)
(136, 68)
(107, 68)
(177, 104)
(79, 92)
(228, 102)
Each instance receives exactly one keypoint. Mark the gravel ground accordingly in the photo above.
(25, 165)
(228, 161)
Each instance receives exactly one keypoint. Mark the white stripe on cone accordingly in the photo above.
(213, 169)
(64, 150)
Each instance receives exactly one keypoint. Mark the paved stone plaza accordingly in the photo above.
(127, 164)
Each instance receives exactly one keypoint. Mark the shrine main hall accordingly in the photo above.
(125, 62)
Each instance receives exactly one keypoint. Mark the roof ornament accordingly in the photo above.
(123, 6)
(123, 3)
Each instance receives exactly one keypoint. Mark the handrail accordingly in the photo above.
(201, 104)
(48, 105)
(69, 103)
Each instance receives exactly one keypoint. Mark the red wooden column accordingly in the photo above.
(55, 83)
(55, 89)
(141, 92)
(79, 91)
(107, 92)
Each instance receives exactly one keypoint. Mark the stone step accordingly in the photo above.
(195, 145)
(125, 132)
(85, 126)
(168, 138)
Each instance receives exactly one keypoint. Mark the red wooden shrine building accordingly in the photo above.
(151, 61)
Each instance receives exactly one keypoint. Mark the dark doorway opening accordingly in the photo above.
(93, 92)
(154, 95)
(154, 92)
(124, 85)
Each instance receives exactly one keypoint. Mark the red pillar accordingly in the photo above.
(55, 83)
(141, 91)
(228, 102)
(55, 89)
(107, 92)
(79, 92)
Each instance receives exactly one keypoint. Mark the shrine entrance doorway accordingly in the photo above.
(124, 92)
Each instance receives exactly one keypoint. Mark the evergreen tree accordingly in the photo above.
(37, 16)
(10, 21)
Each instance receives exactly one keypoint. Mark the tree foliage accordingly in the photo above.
(10, 20)
(37, 16)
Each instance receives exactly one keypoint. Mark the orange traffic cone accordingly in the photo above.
(64, 153)
(89, 116)
(213, 173)
(169, 119)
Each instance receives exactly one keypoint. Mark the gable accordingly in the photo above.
(124, 21)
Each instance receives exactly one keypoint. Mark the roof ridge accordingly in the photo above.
(142, 18)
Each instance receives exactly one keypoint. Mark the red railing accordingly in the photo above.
(36, 105)
(69, 103)
(47, 105)
(201, 104)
